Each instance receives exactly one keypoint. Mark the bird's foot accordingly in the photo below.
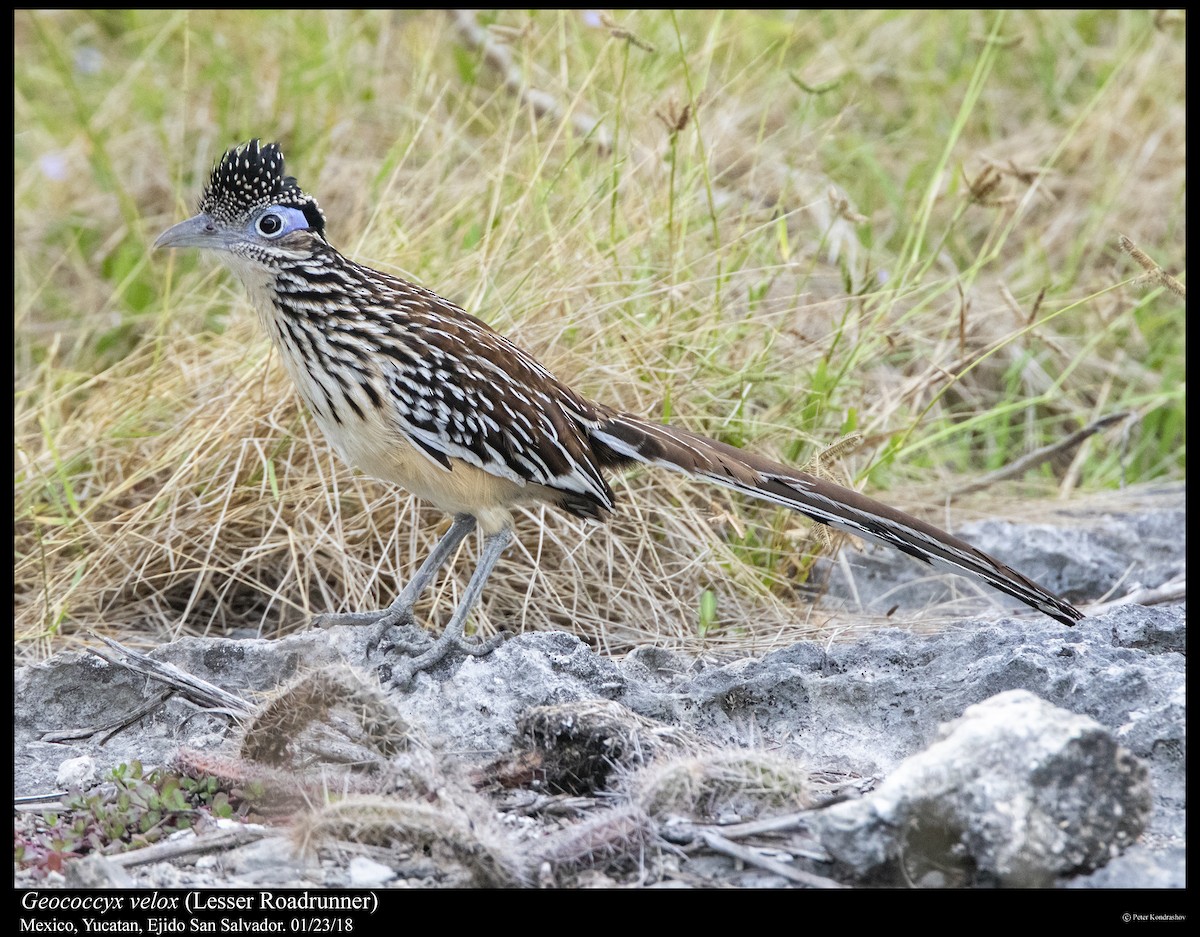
(392, 616)
(422, 654)
(404, 670)
(382, 621)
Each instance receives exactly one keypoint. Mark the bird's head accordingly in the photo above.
(250, 209)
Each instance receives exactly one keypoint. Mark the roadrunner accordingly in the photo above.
(413, 390)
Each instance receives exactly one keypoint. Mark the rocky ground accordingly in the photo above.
(997, 751)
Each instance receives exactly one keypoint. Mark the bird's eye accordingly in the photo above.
(270, 224)
(279, 220)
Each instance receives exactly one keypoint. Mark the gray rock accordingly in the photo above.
(1132, 539)
(76, 772)
(852, 709)
(1141, 868)
(97, 872)
(864, 705)
(1017, 793)
(367, 873)
(273, 859)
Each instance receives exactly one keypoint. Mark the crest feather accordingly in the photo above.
(251, 176)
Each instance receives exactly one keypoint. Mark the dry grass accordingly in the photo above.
(922, 250)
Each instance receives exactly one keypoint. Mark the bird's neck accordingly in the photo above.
(261, 284)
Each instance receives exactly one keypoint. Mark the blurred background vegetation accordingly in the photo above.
(774, 228)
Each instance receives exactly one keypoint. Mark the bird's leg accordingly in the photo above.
(400, 612)
(452, 637)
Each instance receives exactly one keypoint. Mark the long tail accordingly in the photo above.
(823, 502)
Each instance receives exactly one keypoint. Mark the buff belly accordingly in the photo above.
(385, 454)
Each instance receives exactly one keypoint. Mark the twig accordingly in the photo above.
(718, 843)
(197, 843)
(1173, 591)
(543, 103)
(195, 689)
(784, 823)
(50, 802)
(113, 727)
(1039, 456)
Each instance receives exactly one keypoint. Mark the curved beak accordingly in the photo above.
(200, 231)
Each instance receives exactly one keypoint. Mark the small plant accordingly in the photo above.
(131, 809)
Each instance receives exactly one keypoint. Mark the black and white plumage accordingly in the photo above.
(412, 389)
